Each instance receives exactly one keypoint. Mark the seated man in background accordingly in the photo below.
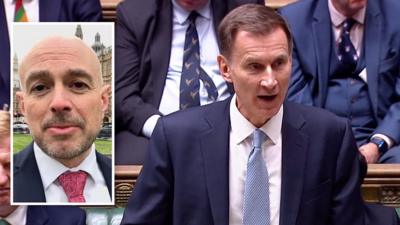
(35, 11)
(30, 215)
(165, 61)
(63, 100)
(253, 158)
(346, 59)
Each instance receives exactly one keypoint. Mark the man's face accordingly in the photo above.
(4, 171)
(191, 5)
(349, 7)
(62, 100)
(259, 67)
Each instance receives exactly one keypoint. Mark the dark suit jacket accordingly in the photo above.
(311, 27)
(55, 215)
(143, 46)
(28, 186)
(184, 179)
(49, 11)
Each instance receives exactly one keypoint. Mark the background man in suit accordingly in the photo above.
(346, 60)
(150, 46)
(251, 159)
(43, 11)
(63, 100)
(38, 215)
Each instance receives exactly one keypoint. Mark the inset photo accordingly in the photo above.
(62, 119)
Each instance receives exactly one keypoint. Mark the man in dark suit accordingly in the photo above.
(49, 11)
(150, 38)
(37, 215)
(63, 100)
(251, 159)
(346, 60)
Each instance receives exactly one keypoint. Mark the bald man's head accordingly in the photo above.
(63, 99)
(60, 49)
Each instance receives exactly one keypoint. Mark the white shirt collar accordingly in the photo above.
(18, 217)
(13, 1)
(337, 18)
(50, 168)
(182, 14)
(242, 128)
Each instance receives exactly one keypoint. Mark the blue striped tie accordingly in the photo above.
(256, 190)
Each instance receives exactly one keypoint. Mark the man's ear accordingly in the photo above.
(21, 99)
(224, 68)
(105, 93)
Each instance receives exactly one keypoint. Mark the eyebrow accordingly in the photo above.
(79, 73)
(46, 75)
(36, 75)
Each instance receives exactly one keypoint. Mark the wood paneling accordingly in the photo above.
(382, 184)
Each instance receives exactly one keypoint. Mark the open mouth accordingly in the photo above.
(267, 98)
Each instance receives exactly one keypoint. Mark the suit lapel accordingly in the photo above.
(322, 45)
(160, 49)
(105, 168)
(49, 10)
(27, 171)
(37, 215)
(214, 144)
(373, 29)
(294, 143)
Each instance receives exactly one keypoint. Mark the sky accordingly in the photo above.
(26, 35)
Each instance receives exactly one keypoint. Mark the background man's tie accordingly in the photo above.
(256, 191)
(19, 13)
(347, 54)
(73, 184)
(192, 71)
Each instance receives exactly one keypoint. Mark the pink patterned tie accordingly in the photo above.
(73, 184)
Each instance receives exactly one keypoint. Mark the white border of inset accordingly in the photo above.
(12, 52)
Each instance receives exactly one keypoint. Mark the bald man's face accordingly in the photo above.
(62, 97)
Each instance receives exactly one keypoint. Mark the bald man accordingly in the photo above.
(63, 100)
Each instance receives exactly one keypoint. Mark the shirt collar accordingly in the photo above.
(182, 14)
(337, 18)
(18, 217)
(242, 128)
(50, 169)
(13, 1)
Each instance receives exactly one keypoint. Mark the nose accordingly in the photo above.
(269, 80)
(60, 101)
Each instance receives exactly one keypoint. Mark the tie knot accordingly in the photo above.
(73, 184)
(348, 24)
(258, 138)
(192, 17)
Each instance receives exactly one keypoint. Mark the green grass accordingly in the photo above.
(22, 140)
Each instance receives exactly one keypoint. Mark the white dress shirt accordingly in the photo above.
(209, 50)
(356, 37)
(95, 191)
(31, 9)
(240, 146)
(18, 217)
